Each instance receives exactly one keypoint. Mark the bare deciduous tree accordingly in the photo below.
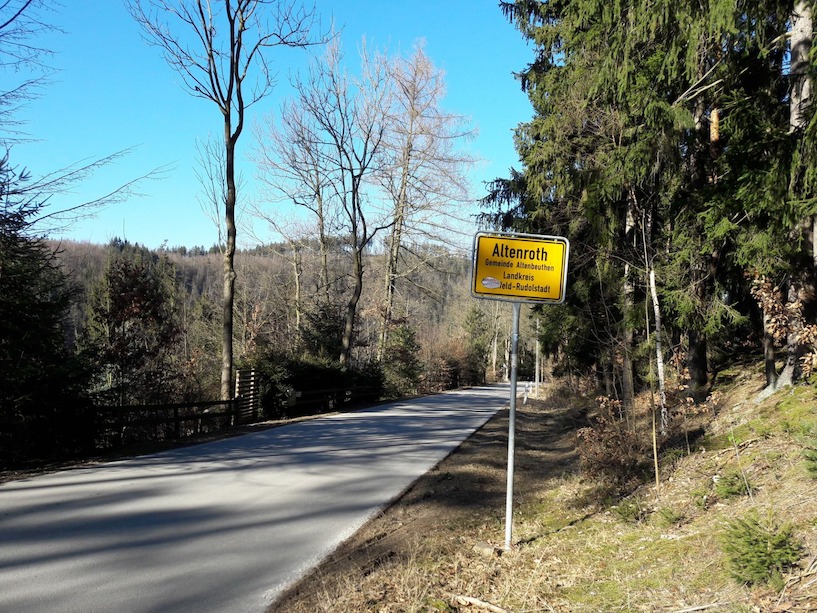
(423, 173)
(351, 114)
(332, 141)
(215, 46)
(344, 148)
(291, 163)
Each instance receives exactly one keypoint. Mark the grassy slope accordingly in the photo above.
(578, 547)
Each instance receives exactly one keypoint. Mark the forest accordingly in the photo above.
(673, 144)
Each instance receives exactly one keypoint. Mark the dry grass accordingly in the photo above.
(578, 547)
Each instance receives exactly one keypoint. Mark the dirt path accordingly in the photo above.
(424, 547)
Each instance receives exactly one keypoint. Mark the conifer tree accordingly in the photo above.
(43, 411)
(132, 327)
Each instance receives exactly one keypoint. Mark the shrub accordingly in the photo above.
(441, 373)
(759, 551)
(368, 381)
(607, 449)
(401, 366)
(667, 517)
(671, 456)
(732, 484)
(700, 497)
(631, 510)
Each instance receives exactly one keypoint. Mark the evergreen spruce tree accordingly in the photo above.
(401, 364)
(132, 328)
(43, 412)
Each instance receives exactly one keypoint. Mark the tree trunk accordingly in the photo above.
(814, 241)
(351, 310)
(391, 277)
(324, 248)
(697, 363)
(801, 27)
(296, 264)
(609, 380)
(627, 382)
(794, 350)
(228, 295)
(801, 33)
(399, 219)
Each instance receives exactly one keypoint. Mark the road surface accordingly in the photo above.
(223, 526)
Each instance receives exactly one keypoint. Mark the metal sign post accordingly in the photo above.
(517, 307)
(518, 268)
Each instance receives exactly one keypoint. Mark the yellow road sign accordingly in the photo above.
(520, 267)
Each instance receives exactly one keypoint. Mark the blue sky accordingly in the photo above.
(114, 92)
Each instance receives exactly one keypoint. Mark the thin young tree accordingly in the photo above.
(297, 239)
(220, 48)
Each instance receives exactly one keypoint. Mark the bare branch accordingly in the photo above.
(219, 62)
(38, 195)
(210, 174)
(63, 181)
(21, 23)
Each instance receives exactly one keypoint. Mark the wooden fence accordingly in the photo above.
(247, 396)
(119, 426)
(310, 402)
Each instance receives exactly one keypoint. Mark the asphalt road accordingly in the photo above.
(222, 526)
